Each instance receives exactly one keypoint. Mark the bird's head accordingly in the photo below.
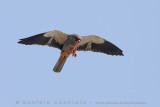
(76, 38)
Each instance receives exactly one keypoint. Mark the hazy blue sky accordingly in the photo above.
(26, 71)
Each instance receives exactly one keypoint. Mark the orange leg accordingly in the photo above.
(73, 50)
(76, 45)
(74, 53)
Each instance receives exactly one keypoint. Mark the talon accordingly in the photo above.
(76, 45)
(75, 55)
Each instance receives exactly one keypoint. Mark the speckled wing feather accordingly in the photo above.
(53, 38)
(96, 44)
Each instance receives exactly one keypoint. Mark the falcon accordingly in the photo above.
(70, 43)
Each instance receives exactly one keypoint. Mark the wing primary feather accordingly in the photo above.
(39, 39)
(36, 39)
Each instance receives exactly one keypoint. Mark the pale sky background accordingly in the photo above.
(26, 71)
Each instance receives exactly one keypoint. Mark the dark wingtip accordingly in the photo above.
(115, 52)
(20, 41)
(36, 39)
(23, 41)
(120, 54)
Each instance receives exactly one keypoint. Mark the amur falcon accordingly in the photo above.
(70, 43)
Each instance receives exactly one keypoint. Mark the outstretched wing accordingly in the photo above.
(53, 38)
(97, 44)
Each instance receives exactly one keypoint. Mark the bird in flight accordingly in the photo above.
(70, 43)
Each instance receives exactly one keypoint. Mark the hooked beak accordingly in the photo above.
(78, 41)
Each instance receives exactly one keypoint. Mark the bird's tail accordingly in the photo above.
(60, 63)
(58, 67)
